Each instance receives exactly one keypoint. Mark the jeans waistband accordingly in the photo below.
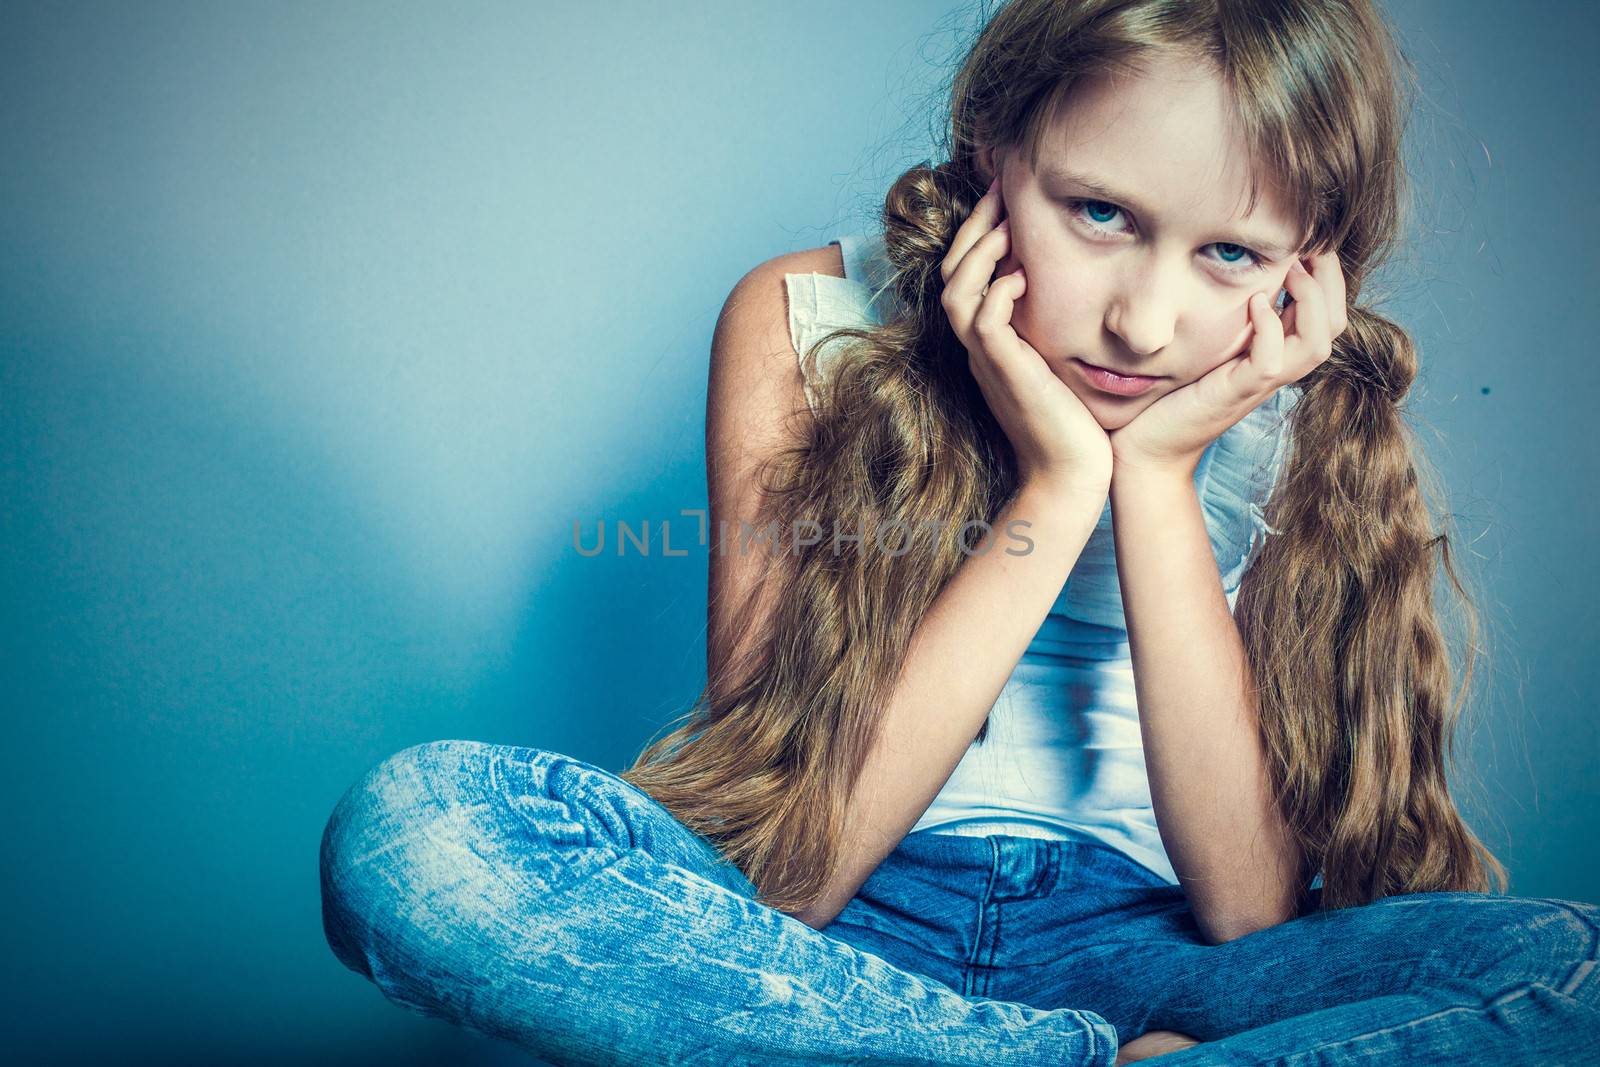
(1020, 865)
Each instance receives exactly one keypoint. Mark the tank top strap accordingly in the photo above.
(822, 303)
(866, 261)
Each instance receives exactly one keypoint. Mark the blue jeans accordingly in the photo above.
(534, 897)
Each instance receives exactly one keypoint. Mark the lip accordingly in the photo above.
(1111, 382)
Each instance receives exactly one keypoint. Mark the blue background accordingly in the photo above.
(321, 324)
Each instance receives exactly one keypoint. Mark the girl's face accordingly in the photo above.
(1135, 256)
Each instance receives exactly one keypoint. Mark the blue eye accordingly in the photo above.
(1112, 209)
(1098, 213)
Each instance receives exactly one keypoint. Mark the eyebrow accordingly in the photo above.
(1103, 191)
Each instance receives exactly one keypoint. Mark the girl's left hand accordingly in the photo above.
(1173, 432)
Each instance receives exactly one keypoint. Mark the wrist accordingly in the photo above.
(1131, 465)
(1148, 475)
(1070, 494)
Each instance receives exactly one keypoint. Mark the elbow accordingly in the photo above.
(817, 919)
(819, 912)
(1220, 933)
(1223, 925)
(1242, 910)
(1230, 926)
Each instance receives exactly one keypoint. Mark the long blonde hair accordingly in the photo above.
(1337, 612)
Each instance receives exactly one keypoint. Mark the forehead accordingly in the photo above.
(1168, 137)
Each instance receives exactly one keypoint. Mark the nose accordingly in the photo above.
(1143, 313)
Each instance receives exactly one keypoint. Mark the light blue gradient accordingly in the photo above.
(321, 324)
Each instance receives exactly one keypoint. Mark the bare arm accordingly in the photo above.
(959, 659)
(975, 631)
(755, 406)
(1229, 845)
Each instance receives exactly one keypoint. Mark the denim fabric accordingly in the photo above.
(528, 895)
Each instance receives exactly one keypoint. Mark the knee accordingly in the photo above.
(1574, 939)
(1550, 941)
(368, 856)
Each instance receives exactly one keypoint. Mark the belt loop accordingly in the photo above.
(1060, 858)
(1022, 866)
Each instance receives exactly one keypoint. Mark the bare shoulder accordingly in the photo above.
(754, 366)
(755, 406)
(759, 302)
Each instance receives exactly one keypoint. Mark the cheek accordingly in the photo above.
(1219, 336)
(1061, 312)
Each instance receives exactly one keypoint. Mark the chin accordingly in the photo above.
(1111, 413)
(1114, 421)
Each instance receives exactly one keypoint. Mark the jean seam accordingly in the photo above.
(1580, 974)
(971, 970)
(1052, 875)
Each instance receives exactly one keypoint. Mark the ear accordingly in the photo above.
(986, 165)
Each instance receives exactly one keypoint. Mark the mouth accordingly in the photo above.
(1109, 381)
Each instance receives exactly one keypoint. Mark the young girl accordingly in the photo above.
(1080, 694)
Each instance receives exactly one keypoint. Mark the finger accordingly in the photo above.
(1312, 339)
(997, 339)
(985, 216)
(1286, 316)
(1267, 346)
(963, 291)
(1329, 273)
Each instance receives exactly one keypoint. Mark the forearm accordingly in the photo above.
(1197, 712)
(958, 661)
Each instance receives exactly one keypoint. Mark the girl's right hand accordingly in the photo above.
(1055, 437)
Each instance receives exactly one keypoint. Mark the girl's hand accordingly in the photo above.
(1055, 438)
(1173, 432)
(1153, 1043)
